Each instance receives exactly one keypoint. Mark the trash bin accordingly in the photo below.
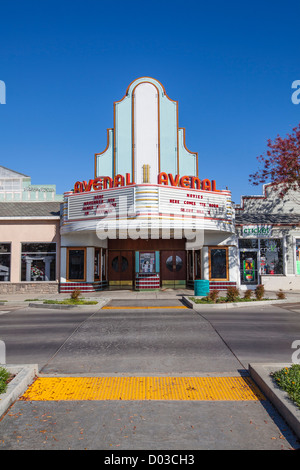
(201, 287)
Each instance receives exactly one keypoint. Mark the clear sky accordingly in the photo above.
(229, 64)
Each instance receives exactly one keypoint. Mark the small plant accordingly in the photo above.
(4, 376)
(281, 295)
(75, 294)
(248, 294)
(232, 294)
(288, 379)
(213, 296)
(259, 292)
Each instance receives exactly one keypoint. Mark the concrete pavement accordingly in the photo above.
(139, 341)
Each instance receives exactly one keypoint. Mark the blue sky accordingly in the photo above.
(230, 65)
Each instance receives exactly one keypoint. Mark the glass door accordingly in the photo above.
(248, 267)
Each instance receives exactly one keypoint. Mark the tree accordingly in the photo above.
(281, 163)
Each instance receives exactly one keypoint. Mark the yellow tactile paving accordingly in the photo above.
(143, 388)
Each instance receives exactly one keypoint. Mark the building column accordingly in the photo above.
(48, 261)
(204, 263)
(90, 254)
(63, 264)
(28, 269)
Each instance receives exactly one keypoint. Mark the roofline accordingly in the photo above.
(9, 169)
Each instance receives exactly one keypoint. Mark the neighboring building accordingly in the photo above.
(268, 231)
(147, 219)
(29, 235)
(15, 187)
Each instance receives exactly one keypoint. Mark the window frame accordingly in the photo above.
(42, 252)
(210, 248)
(8, 254)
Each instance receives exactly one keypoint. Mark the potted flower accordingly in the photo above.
(36, 273)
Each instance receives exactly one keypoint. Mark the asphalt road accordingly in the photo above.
(143, 341)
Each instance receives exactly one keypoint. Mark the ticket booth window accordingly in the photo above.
(147, 262)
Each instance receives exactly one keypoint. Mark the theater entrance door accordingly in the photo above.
(120, 269)
(173, 269)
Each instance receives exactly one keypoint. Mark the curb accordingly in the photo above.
(99, 305)
(195, 306)
(24, 376)
(260, 373)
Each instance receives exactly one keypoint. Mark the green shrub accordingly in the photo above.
(288, 379)
(75, 294)
(259, 292)
(4, 376)
(213, 296)
(248, 294)
(232, 294)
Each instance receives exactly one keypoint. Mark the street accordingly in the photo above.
(129, 338)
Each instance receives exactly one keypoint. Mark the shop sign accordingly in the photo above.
(105, 182)
(39, 189)
(256, 230)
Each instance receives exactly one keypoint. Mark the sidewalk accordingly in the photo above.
(291, 296)
(122, 346)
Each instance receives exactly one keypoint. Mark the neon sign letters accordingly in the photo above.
(167, 179)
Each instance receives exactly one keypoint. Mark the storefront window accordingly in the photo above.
(248, 243)
(271, 256)
(38, 262)
(4, 262)
(218, 261)
(298, 256)
(197, 264)
(76, 264)
(103, 265)
(260, 256)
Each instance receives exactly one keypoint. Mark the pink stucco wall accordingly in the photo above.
(23, 231)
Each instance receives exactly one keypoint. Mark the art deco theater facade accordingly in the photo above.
(147, 219)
